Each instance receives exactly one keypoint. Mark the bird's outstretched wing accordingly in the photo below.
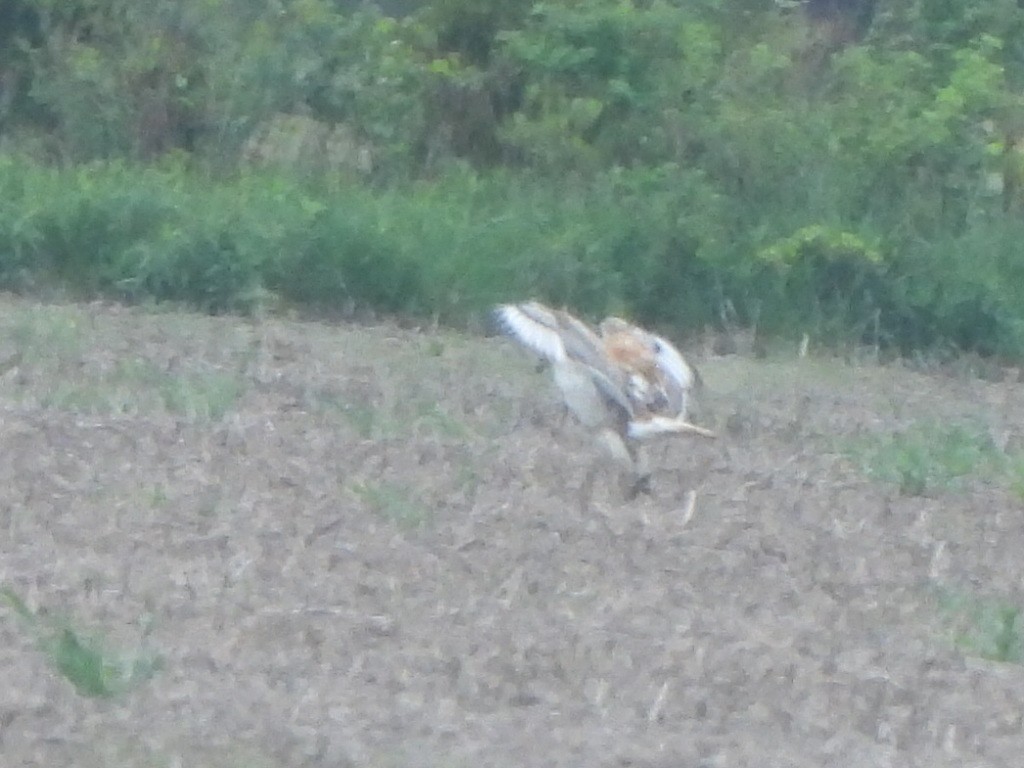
(554, 334)
(562, 339)
(534, 326)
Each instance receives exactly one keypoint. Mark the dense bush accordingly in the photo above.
(650, 244)
(449, 248)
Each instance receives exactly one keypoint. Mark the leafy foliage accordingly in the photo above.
(838, 276)
(850, 171)
(451, 247)
(607, 81)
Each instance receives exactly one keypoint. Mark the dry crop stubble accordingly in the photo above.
(796, 618)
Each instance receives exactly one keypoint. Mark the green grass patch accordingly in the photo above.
(137, 384)
(391, 418)
(201, 397)
(64, 367)
(93, 669)
(368, 421)
(393, 503)
(990, 628)
(364, 419)
(48, 332)
(1016, 476)
(928, 457)
(431, 416)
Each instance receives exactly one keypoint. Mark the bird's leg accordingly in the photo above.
(632, 457)
(640, 485)
(641, 472)
(586, 492)
(664, 453)
(563, 417)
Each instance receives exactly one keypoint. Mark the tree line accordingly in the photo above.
(847, 169)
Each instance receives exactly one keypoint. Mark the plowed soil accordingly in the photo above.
(361, 546)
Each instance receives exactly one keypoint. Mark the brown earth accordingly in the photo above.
(367, 547)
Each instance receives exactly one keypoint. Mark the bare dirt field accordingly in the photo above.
(367, 547)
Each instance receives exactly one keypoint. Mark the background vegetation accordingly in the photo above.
(849, 170)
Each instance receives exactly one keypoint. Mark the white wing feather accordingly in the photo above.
(529, 328)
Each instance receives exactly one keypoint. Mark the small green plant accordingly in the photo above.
(1015, 473)
(92, 669)
(391, 418)
(137, 384)
(393, 503)
(927, 457)
(467, 478)
(431, 415)
(83, 397)
(42, 333)
(158, 496)
(208, 395)
(205, 397)
(365, 419)
(988, 628)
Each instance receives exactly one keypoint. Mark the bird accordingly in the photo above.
(658, 376)
(624, 383)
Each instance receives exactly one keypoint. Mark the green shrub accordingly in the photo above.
(608, 82)
(965, 291)
(829, 282)
(983, 626)
(928, 457)
(344, 257)
(659, 244)
(482, 239)
(69, 225)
